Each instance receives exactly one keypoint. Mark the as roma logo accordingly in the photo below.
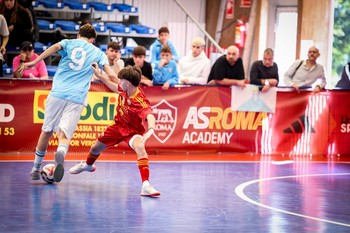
(166, 116)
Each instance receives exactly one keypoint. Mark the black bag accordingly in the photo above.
(344, 81)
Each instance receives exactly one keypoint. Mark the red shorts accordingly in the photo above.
(115, 134)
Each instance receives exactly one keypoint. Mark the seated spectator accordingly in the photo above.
(344, 81)
(27, 55)
(165, 72)
(138, 59)
(228, 69)
(156, 47)
(306, 73)
(194, 68)
(265, 72)
(114, 58)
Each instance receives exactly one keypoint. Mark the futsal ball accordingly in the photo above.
(47, 173)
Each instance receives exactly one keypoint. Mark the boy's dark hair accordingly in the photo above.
(139, 51)
(88, 31)
(162, 30)
(132, 74)
(166, 49)
(114, 45)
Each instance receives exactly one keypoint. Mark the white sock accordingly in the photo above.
(145, 183)
(63, 148)
(39, 156)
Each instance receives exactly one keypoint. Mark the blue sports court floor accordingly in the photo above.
(260, 196)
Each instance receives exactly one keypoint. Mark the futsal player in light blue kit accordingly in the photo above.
(68, 94)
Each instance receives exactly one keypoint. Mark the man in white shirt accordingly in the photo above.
(306, 73)
(194, 68)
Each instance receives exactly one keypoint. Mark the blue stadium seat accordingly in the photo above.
(99, 26)
(75, 5)
(54, 4)
(100, 6)
(118, 27)
(103, 47)
(51, 70)
(7, 70)
(67, 25)
(46, 25)
(125, 8)
(141, 29)
(39, 47)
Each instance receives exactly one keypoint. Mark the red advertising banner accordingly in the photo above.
(197, 118)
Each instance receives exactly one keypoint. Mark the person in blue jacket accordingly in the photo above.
(165, 70)
(156, 47)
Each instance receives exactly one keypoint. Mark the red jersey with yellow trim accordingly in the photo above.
(132, 112)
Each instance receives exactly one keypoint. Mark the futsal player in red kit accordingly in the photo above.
(133, 110)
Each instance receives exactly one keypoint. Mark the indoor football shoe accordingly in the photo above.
(148, 190)
(35, 174)
(59, 170)
(81, 167)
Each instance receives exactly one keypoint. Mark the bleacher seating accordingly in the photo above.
(70, 27)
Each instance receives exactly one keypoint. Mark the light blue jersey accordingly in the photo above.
(73, 77)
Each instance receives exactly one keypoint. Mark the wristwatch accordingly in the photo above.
(267, 83)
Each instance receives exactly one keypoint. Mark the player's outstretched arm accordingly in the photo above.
(51, 50)
(104, 78)
(111, 74)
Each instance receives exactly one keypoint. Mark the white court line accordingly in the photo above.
(282, 162)
(239, 190)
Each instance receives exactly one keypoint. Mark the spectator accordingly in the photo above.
(27, 55)
(344, 81)
(195, 67)
(28, 4)
(265, 72)
(4, 33)
(165, 71)
(306, 73)
(156, 47)
(138, 59)
(114, 57)
(228, 69)
(19, 21)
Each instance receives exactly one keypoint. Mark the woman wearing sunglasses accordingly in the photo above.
(27, 55)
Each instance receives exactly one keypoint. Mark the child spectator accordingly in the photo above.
(165, 71)
(156, 47)
(138, 59)
(114, 57)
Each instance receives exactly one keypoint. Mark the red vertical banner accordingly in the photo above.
(229, 9)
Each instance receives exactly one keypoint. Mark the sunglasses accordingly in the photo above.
(29, 49)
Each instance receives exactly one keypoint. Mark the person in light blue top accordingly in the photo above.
(156, 47)
(165, 71)
(68, 94)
